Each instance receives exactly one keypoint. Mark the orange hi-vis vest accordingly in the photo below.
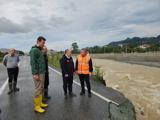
(83, 64)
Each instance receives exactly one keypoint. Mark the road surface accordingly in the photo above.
(19, 106)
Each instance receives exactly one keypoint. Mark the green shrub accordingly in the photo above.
(54, 60)
(1, 59)
(1, 56)
(98, 74)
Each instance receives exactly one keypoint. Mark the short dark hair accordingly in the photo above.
(40, 38)
(85, 50)
(66, 50)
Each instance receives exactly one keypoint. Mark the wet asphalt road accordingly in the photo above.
(3, 74)
(19, 106)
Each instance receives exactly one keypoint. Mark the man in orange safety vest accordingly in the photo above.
(84, 69)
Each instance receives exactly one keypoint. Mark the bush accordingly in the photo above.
(54, 60)
(98, 74)
(1, 59)
(1, 56)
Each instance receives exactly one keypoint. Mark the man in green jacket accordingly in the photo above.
(38, 71)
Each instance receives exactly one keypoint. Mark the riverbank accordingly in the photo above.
(141, 84)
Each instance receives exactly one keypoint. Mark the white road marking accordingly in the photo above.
(95, 93)
(3, 87)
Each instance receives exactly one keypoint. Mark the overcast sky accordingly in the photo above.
(87, 22)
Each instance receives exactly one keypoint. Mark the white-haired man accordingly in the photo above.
(11, 61)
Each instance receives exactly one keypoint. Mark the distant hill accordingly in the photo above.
(129, 45)
(5, 50)
(136, 41)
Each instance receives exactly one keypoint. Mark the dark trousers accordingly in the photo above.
(46, 81)
(12, 74)
(85, 78)
(67, 83)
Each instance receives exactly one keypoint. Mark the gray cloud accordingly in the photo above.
(88, 22)
(7, 26)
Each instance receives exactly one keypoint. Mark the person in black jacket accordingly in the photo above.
(46, 81)
(67, 67)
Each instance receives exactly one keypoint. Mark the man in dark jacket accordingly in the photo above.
(46, 81)
(67, 66)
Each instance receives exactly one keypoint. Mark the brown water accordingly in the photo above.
(141, 84)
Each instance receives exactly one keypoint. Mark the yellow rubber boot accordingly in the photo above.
(37, 106)
(42, 104)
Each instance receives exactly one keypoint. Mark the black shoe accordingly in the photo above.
(82, 93)
(48, 97)
(65, 94)
(9, 92)
(10, 89)
(89, 95)
(16, 89)
(72, 95)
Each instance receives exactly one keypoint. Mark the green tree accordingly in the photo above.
(75, 47)
(20, 52)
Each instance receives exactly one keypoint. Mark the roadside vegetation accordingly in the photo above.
(1, 56)
(98, 74)
(53, 60)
